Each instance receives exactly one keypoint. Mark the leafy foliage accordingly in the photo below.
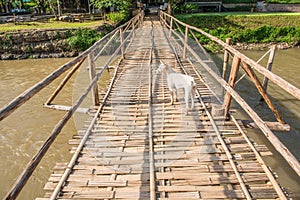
(122, 8)
(83, 39)
(116, 16)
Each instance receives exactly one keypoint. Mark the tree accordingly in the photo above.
(118, 5)
(171, 3)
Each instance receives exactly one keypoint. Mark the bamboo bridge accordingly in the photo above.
(136, 145)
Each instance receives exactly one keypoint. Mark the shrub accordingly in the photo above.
(83, 39)
(116, 17)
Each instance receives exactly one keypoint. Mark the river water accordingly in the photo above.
(23, 132)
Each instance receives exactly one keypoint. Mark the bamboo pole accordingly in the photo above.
(231, 82)
(258, 85)
(63, 83)
(171, 26)
(261, 161)
(185, 42)
(150, 125)
(226, 59)
(201, 47)
(121, 40)
(269, 67)
(92, 74)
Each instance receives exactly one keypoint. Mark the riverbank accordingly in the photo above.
(248, 31)
(49, 43)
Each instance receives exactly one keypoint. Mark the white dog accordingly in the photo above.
(176, 81)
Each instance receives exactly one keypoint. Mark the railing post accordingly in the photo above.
(269, 67)
(122, 40)
(234, 70)
(226, 58)
(171, 26)
(185, 42)
(92, 73)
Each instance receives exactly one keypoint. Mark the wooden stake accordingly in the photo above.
(122, 40)
(231, 82)
(258, 85)
(92, 73)
(226, 58)
(185, 41)
(171, 26)
(269, 67)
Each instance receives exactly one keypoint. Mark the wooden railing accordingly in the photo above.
(91, 54)
(182, 31)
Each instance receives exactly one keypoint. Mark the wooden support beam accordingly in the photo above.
(231, 82)
(171, 26)
(269, 67)
(226, 59)
(64, 82)
(274, 126)
(122, 40)
(258, 85)
(185, 41)
(92, 73)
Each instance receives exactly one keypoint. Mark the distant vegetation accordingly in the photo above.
(244, 28)
(267, 1)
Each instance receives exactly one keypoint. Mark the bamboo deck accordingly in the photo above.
(141, 147)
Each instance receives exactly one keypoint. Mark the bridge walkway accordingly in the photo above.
(138, 146)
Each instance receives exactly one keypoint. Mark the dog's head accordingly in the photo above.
(161, 67)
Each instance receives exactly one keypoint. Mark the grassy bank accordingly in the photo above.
(48, 25)
(248, 28)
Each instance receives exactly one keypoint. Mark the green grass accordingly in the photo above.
(48, 25)
(238, 14)
(247, 27)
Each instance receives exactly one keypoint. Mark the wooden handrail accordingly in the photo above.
(33, 163)
(279, 146)
(24, 97)
(293, 90)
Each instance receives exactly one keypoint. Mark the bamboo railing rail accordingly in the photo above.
(248, 63)
(21, 99)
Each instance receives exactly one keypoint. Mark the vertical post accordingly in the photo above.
(185, 41)
(171, 26)
(226, 58)
(92, 73)
(133, 29)
(231, 82)
(122, 40)
(269, 67)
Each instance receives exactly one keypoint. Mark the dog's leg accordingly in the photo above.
(186, 98)
(175, 95)
(172, 97)
(192, 99)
